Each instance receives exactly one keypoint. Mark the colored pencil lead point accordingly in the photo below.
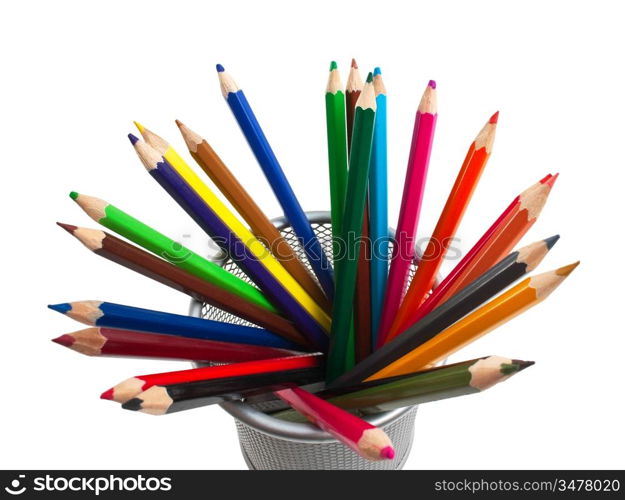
(524, 364)
(64, 340)
(552, 241)
(73, 195)
(68, 227)
(369, 77)
(140, 127)
(62, 308)
(333, 65)
(107, 394)
(552, 180)
(494, 118)
(387, 452)
(432, 84)
(377, 71)
(133, 404)
(566, 270)
(354, 64)
(220, 68)
(133, 139)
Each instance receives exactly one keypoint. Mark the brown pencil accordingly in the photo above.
(127, 255)
(261, 226)
(362, 297)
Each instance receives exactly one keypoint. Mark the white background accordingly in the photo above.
(75, 75)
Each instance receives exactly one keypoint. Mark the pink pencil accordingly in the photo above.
(365, 439)
(441, 292)
(416, 173)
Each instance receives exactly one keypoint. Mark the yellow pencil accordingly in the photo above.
(236, 226)
(526, 294)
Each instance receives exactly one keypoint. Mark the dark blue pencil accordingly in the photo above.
(277, 180)
(160, 169)
(108, 314)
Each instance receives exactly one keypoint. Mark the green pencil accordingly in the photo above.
(341, 357)
(337, 149)
(459, 379)
(127, 226)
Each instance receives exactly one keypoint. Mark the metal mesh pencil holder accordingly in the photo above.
(268, 443)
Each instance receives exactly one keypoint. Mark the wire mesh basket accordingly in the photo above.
(268, 443)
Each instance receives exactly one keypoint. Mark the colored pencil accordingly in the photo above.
(406, 229)
(496, 279)
(339, 359)
(108, 314)
(360, 335)
(277, 180)
(496, 242)
(133, 386)
(521, 297)
(444, 382)
(313, 327)
(242, 201)
(336, 127)
(171, 398)
(448, 222)
(143, 235)
(378, 207)
(131, 257)
(362, 437)
(100, 341)
(191, 192)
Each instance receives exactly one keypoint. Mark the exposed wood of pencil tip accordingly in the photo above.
(366, 100)
(88, 341)
(486, 138)
(149, 156)
(85, 311)
(486, 372)
(376, 445)
(533, 254)
(546, 283)
(428, 102)
(156, 141)
(533, 199)
(226, 82)
(191, 139)
(124, 391)
(91, 238)
(92, 206)
(354, 80)
(378, 83)
(154, 401)
(334, 82)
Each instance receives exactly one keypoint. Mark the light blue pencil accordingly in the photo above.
(378, 207)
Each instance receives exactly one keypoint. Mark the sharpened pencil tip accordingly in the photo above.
(552, 180)
(369, 77)
(62, 308)
(333, 66)
(179, 123)
(566, 270)
(133, 404)
(107, 394)
(494, 118)
(73, 195)
(68, 227)
(140, 127)
(524, 364)
(387, 452)
(377, 71)
(432, 84)
(64, 340)
(133, 139)
(220, 68)
(552, 241)
(354, 64)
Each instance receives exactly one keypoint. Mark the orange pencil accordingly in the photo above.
(446, 227)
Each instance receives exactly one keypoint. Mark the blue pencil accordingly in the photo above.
(378, 207)
(108, 314)
(277, 180)
(160, 169)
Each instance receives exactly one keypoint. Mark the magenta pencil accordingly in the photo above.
(414, 186)
(362, 437)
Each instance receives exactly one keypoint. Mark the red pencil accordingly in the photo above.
(129, 388)
(362, 437)
(111, 342)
